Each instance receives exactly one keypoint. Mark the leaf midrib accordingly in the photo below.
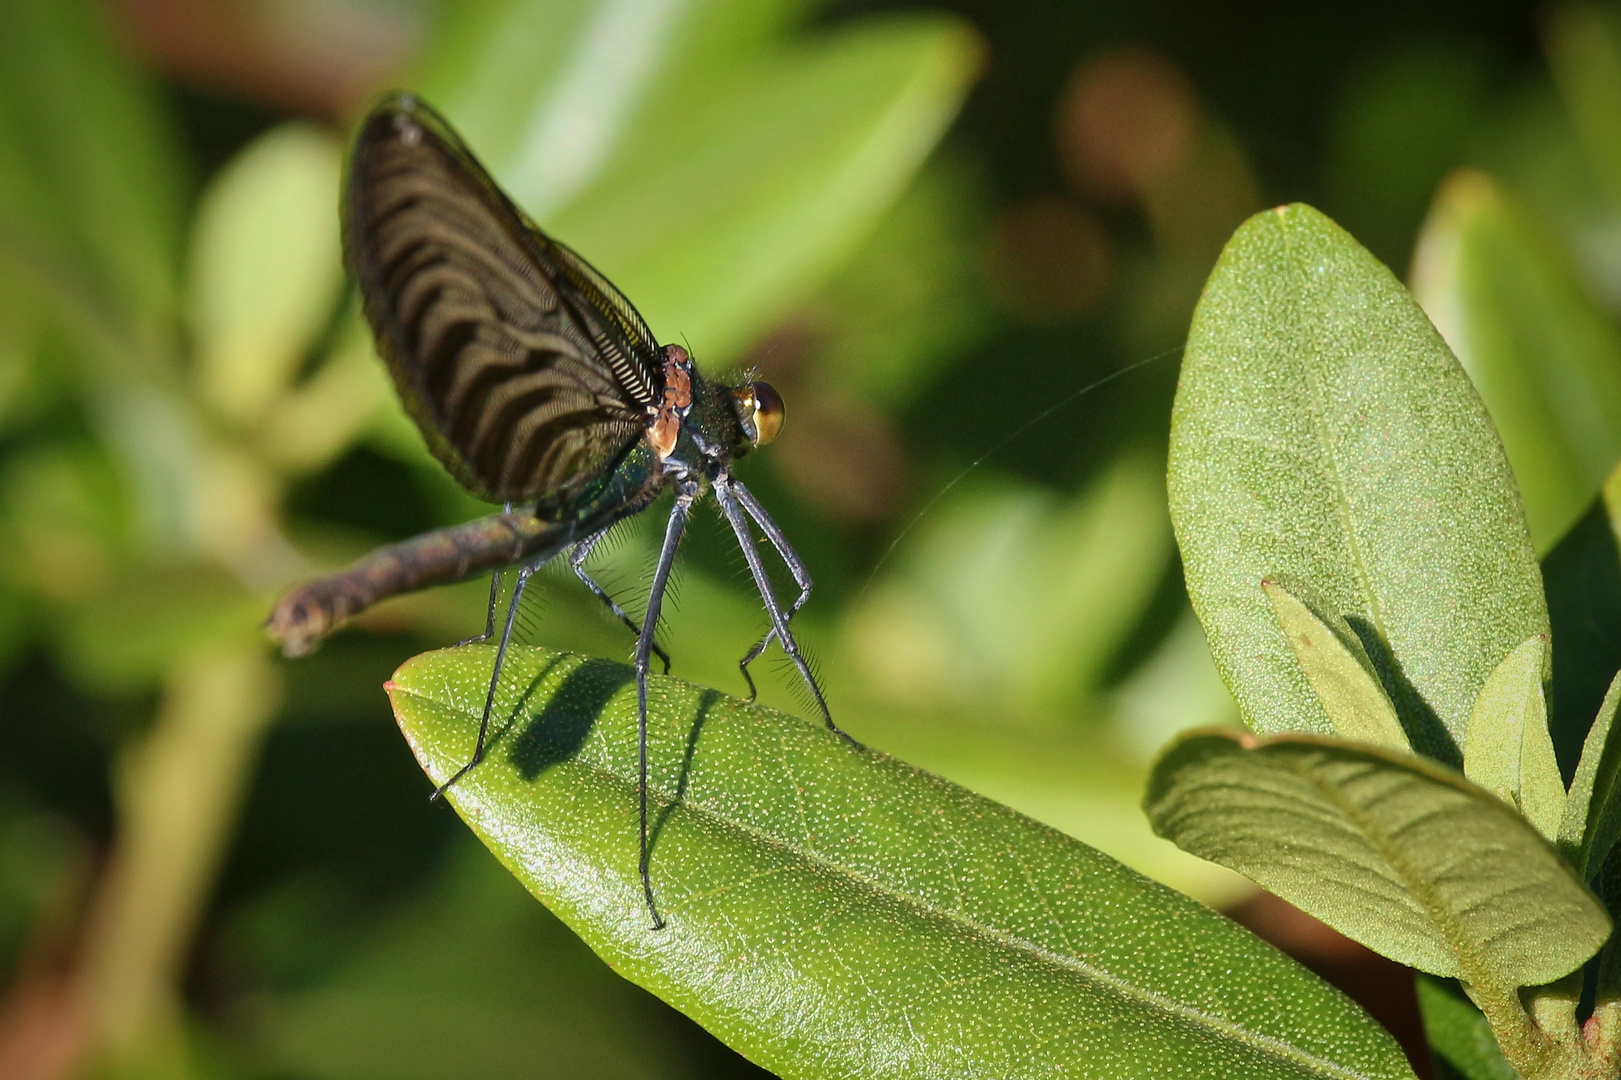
(1342, 505)
(1473, 968)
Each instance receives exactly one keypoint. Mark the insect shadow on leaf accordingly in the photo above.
(706, 702)
(556, 733)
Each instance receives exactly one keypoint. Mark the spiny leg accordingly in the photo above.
(728, 504)
(489, 619)
(495, 596)
(524, 573)
(685, 493)
(790, 557)
(582, 551)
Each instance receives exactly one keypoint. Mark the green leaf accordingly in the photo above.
(316, 421)
(1322, 432)
(1592, 818)
(715, 152)
(1544, 355)
(1507, 750)
(1390, 849)
(505, 70)
(265, 266)
(1459, 1033)
(833, 912)
(772, 177)
(1338, 668)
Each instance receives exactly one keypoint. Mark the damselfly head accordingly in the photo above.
(759, 407)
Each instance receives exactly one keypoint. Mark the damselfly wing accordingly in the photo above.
(538, 386)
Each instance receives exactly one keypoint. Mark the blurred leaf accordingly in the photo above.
(1338, 668)
(84, 137)
(265, 266)
(348, 394)
(1192, 212)
(64, 520)
(1507, 750)
(1592, 818)
(21, 343)
(167, 458)
(1544, 356)
(545, 91)
(1013, 603)
(1458, 1032)
(473, 980)
(44, 860)
(85, 145)
(1584, 51)
(832, 912)
(1323, 433)
(1174, 689)
(766, 183)
(682, 148)
(1397, 123)
(17, 625)
(1528, 142)
(1390, 849)
(126, 637)
(909, 299)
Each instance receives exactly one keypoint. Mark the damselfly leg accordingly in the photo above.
(495, 598)
(686, 491)
(577, 557)
(796, 567)
(489, 618)
(525, 572)
(726, 493)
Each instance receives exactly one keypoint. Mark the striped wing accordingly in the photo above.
(527, 372)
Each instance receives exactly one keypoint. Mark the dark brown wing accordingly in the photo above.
(527, 372)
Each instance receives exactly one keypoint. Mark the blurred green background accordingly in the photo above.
(929, 226)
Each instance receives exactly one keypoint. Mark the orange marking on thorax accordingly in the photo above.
(665, 429)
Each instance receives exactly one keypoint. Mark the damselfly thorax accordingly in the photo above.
(538, 386)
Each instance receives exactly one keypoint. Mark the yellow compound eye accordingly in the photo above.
(768, 412)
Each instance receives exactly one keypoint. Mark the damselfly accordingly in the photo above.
(536, 384)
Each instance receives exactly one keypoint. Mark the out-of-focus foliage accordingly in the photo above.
(1544, 355)
(264, 268)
